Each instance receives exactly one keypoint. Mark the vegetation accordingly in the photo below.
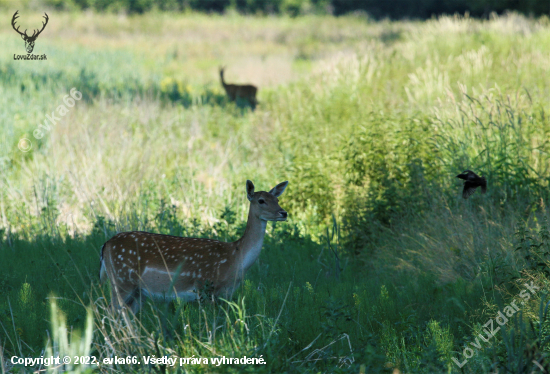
(381, 264)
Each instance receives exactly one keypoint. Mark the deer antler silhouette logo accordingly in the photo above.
(29, 40)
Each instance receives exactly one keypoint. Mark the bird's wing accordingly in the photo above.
(468, 190)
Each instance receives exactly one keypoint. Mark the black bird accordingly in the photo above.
(471, 182)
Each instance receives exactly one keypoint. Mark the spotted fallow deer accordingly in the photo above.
(140, 264)
(245, 92)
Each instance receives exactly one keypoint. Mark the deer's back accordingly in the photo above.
(154, 258)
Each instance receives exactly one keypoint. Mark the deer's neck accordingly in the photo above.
(250, 245)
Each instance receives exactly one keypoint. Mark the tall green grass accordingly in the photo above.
(382, 264)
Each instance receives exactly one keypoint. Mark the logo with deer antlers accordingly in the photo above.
(29, 40)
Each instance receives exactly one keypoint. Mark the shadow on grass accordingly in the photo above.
(125, 87)
(294, 308)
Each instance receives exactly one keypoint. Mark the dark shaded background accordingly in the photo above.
(394, 9)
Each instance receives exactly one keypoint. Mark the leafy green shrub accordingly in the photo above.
(311, 190)
(389, 173)
(503, 141)
(392, 172)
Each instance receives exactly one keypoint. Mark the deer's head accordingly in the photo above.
(265, 205)
(29, 40)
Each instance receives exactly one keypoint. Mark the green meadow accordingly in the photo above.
(382, 266)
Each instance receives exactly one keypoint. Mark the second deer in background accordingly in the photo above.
(246, 92)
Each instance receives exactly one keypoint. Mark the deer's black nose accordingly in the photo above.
(283, 213)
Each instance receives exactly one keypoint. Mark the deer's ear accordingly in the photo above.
(279, 189)
(249, 190)
(23, 37)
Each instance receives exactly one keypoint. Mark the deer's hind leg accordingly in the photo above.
(126, 295)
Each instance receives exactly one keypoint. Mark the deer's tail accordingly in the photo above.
(102, 265)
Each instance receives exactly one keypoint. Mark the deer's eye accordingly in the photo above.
(261, 201)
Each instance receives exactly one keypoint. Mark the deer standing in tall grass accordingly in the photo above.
(140, 264)
(245, 92)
